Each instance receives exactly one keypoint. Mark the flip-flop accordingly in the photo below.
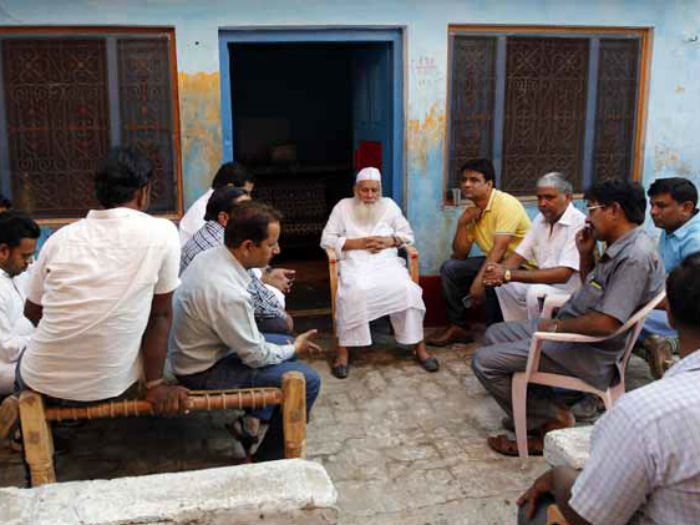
(509, 447)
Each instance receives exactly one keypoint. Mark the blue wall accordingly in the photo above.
(672, 128)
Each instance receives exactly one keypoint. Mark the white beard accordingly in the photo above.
(368, 214)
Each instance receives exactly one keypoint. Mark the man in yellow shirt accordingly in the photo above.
(497, 223)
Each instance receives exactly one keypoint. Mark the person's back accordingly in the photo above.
(94, 282)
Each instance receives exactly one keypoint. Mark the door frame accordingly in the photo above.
(314, 34)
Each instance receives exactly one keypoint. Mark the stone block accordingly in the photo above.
(287, 491)
(568, 446)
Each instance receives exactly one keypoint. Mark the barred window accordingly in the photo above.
(68, 98)
(536, 103)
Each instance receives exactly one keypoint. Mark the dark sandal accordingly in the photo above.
(340, 371)
(429, 364)
(509, 447)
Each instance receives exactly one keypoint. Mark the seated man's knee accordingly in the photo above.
(449, 268)
(491, 337)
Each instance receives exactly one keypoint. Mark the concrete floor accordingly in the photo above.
(401, 445)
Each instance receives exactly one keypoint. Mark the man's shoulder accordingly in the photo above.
(507, 203)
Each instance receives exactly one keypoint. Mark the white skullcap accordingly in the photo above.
(368, 174)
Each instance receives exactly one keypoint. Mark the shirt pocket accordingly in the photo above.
(590, 295)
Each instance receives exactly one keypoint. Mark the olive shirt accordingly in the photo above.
(628, 275)
(503, 215)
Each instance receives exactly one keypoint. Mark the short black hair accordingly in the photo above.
(5, 202)
(124, 171)
(681, 190)
(15, 226)
(628, 194)
(233, 173)
(223, 199)
(249, 221)
(483, 166)
(683, 291)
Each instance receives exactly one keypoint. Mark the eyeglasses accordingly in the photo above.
(591, 208)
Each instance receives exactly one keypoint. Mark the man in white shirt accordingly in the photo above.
(100, 296)
(643, 466)
(18, 235)
(366, 231)
(215, 343)
(229, 174)
(550, 244)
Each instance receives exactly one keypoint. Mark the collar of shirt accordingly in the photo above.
(691, 227)
(241, 273)
(489, 204)
(620, 244)
(689, 363)
(215, 229)
(5, 275)
(567, 216)
(114, 213)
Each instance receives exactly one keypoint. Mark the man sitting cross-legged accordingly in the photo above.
(365, 232)
(497, 223)
(100, 296)
(18, 235)
(643, 466)
(269, 313)
(551, 244)
(628, 275)
(215, 343)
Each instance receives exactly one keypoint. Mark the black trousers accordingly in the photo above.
(457, 276)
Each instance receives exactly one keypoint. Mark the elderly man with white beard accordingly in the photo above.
(366, 231)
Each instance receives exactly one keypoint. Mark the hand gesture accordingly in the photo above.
(585, 242)
(471, 214)
(168, 400)
(477, 292)
(494, 274)
(304, 345)
(377, 244)
(541, 487)
(280, 278)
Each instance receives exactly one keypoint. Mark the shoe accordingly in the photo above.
(340, 371)
(429, 364)
(453, 334)
(658, 355)
(587, 409)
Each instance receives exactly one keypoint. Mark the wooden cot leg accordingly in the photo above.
(38, 442)
(294, 414)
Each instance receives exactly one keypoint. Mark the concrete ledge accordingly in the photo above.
(569, 446)
(286, 492)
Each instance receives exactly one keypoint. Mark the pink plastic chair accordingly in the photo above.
(532, 375)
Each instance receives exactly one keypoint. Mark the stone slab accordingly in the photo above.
(568, 446)
(287, 491)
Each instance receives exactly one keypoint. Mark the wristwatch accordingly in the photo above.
(506, 276)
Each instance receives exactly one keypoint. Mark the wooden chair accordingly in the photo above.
(35, 418)
(531, 374)
(334, 271)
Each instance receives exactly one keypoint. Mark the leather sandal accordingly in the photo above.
(429, 364)
(509, 447)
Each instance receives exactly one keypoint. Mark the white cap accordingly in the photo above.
(368, 174)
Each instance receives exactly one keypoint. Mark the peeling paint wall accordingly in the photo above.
(672, 139)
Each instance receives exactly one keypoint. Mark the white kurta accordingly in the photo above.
(550, 247)
(15, 329)
(370, 285)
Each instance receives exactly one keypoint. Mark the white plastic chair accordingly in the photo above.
(532, 375)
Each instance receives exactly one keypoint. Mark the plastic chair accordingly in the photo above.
(531, 374)
(334, 271)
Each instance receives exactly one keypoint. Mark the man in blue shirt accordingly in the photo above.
(673, 209)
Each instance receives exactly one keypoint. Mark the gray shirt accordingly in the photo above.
(628, 275)
(213, 317)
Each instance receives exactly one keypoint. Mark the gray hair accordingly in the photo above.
(556, 180)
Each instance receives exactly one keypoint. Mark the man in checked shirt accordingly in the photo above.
(644, 465)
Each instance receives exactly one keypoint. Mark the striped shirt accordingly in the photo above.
(211, 235)
(645, 455)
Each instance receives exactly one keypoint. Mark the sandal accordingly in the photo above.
(509, 447)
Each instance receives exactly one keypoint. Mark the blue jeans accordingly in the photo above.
(230, 372)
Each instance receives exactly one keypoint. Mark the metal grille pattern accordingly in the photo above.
(57, 122)
(473, 86)
(545, 110)
(615, 108)
(146, 111)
